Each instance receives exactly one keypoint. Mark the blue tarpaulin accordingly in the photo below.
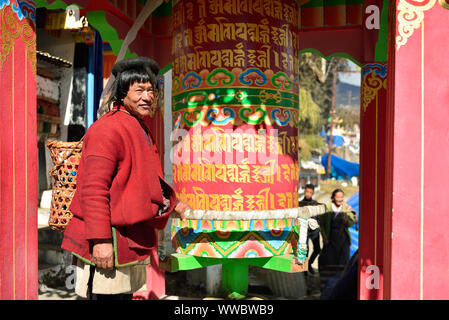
(337, 140)
(340, 168)
(353, 230)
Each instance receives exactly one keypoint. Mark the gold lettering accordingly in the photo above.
(216, 58)
(277, 12)
(281, 200)
(286, 171)
(241, 30)
(204, 59)
(264, 31)
(213, 33)
(200, 32)
(256, 173)
(233, 172)
(214, 202)
(227, 57)
(244, 174)
(193, 168)
(228, 31)
(239, 55)
(248, 142)
(237, 141)
(230, 7)
(237, 204)
(226, 202)
(209, 172)
(221, 172)
(246, 6)
(263, 57)
(258, 7)
(262, 199)
(285, 36)
(253, 32)
(201, 8)
(202, 199)
(189, 11)
(192, 62)
(215, 7)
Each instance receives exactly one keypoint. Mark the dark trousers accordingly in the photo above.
(111, 297)
(314, 236)
(316, 249)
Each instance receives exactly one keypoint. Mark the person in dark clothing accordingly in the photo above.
(334, 226)
(313, 235)
(345, 285)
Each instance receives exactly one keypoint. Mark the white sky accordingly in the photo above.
(351, 78)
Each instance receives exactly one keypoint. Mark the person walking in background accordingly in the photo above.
(334, 226)
(312, 234)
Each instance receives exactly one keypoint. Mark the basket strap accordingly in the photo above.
(53, 170)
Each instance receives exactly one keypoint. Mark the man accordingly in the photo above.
(313, 235)
(121, 197)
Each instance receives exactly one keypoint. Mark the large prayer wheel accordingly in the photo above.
(235, 120)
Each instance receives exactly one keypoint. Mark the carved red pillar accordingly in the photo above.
(18, 167)
(420, 151)
(372, 170)
(405, 151)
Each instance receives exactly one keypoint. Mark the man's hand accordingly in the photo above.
(103, 253)
(166, 204)
(181, 209)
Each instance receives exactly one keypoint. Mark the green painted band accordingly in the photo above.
(236, 96)
(98, 20)
(58, 4)
(116, 264)
(165, 69)
(382, 41)
(83, 259)
(313, 3)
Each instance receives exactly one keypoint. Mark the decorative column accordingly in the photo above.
(18, 166)
(418, 91)
(235, 112)
(372, 174)
(404, 156)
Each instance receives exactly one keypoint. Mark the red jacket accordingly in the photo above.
(119, 185)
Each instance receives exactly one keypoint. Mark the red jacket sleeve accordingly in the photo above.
(98, 173)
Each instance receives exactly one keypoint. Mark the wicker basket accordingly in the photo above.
(66, 157)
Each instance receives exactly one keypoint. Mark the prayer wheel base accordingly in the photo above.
(235, 239)
(234, 271)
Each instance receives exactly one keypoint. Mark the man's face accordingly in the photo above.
(308, 193)
(139, 99)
